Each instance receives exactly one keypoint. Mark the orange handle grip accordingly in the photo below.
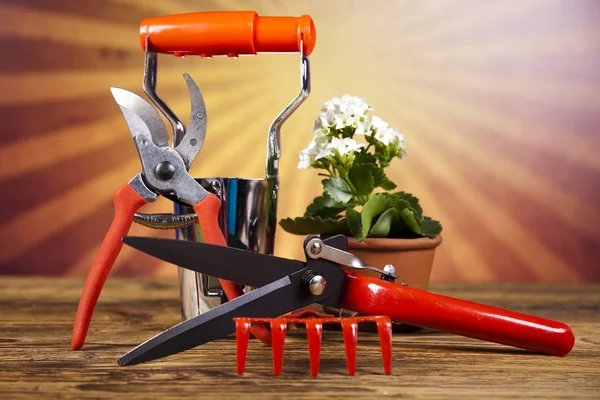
(127, 201)
(232, 33)
(208, 211)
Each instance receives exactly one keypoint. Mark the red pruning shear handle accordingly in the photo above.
(127, 201)
(164, 170)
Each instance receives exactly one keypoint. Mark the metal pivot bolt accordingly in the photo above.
(164, 170)
(389, 273)
(216, 185)
(316, 248)
(316, 283)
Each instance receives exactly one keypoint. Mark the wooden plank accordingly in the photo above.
(35, 361)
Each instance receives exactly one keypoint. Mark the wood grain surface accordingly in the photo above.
(36, 316)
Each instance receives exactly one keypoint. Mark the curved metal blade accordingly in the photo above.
(141, 108)
(241, 266)
(272, 300)
(196, 132)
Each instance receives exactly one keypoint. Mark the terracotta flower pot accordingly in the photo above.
(412, 258)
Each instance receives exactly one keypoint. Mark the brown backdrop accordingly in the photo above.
(499, 102)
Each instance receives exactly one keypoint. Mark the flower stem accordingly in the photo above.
(332, 172)
(352, 187)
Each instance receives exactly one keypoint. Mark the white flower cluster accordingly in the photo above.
(322, 146)
(338, 114)
(384, 133)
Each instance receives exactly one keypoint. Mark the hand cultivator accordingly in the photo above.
(314, 328)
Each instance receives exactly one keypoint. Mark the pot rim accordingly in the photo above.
(385, 244)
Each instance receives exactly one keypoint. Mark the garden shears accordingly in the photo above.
(284, 285)
(164, 171)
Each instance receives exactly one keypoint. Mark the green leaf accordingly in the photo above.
(430, 227)
(361, 177)
(364, 157)
(314, 225)
(374, 207)
(413, 201)
(384, 223)
(408, 216)
(381, 180)
(338, 189)
(353, 222)
(325, 207)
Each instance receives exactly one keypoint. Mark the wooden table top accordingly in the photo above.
(36, 316)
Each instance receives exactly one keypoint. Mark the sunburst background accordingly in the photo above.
(499, 102)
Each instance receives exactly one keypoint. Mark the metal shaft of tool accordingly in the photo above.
(149, 86)
(274, 139)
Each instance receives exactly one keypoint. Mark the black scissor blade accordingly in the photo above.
(272, 300)
(241, 266)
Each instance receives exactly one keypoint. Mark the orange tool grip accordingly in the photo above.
(127, 201)
(231, 33)
(208, 211)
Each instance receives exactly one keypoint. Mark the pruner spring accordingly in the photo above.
(165, 221)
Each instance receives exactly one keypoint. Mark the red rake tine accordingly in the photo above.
(314, 330)
(384, 329)
(242, 334)
(278, 329)
(350, 332)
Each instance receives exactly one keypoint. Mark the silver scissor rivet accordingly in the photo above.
(200, 114)
(389, 269)
(316, 248)
(164, 170)
(317, 285)
(389, 273)
(193, 142)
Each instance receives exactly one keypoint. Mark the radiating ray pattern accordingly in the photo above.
(498, 102)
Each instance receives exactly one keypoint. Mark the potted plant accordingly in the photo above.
(352, 149)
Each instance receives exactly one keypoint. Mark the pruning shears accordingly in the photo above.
(284, 285)
(164, 171)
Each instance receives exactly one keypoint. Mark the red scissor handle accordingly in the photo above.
(428, 310)
(127, 202)
(229, 33)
